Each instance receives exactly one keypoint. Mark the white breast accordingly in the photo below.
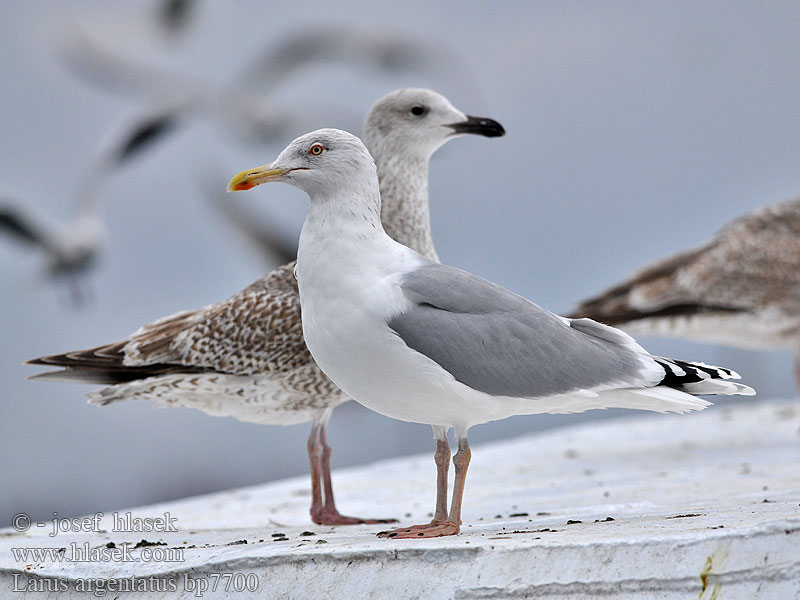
(349, 290)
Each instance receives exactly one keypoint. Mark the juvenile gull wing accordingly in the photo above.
(256, 331)
(259, 330)
(501, 344)
(753, 263)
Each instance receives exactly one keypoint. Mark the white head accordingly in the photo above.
(416, 122)
(319, 162)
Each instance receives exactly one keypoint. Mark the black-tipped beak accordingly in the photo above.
(479, 126)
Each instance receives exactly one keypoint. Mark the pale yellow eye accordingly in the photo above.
(316, 150)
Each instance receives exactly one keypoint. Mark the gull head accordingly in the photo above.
(418, 121)
(316, 162)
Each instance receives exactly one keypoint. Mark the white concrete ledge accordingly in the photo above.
(703, 506)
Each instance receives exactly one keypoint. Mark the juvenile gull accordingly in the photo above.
(419, 341)
(742, 288)
(245, 357)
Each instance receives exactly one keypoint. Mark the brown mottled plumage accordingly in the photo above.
(742, 288)
(246, 357)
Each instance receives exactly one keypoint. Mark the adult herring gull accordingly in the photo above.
(420, 341)
(245, 357)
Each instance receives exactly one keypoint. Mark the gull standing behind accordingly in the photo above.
(423, 342)
(742, 288)
(246, 357)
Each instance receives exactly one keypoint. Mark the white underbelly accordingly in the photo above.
(288, 398)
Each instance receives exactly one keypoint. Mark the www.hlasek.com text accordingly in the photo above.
(78, 553)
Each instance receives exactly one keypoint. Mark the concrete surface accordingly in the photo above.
(702, 506)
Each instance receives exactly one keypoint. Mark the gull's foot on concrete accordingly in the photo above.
(415, 532)
(334, 518)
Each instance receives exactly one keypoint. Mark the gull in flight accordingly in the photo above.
(71, 248)
(248, 107)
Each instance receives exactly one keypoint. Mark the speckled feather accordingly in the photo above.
(742, 288)
(246, 357)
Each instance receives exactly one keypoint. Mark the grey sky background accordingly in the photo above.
(634, 130)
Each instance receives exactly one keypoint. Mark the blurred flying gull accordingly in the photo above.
(72, 247)
(419, 341)
(174, 15)
(269, 241)
(248, 105)
(246, 357)
(742, 288)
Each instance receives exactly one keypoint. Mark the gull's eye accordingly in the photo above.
(418, 110)
(316, 150)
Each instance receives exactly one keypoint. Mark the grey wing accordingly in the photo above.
(499, 343)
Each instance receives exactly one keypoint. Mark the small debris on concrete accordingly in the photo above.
(145, 543)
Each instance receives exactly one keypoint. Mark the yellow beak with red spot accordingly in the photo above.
(250, 178)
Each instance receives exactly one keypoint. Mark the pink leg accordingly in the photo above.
(442, 524)
(319, 454)
(315, 458)
(442, 460)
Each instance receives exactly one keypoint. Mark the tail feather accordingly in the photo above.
(96, 376)
(102, 365)
(699, 378)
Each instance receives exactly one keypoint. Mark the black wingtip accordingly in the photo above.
(144, 135)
